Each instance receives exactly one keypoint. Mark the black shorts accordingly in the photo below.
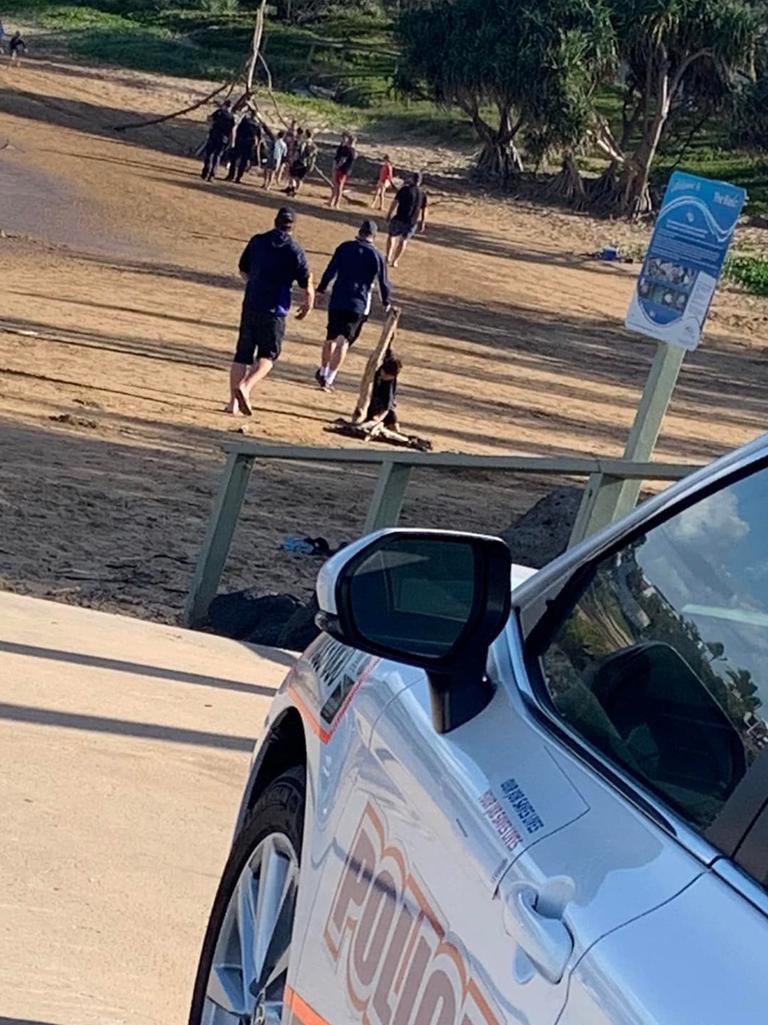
(261, 337)
(299, 171)
(345, 324)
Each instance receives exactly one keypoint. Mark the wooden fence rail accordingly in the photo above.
(395, 468)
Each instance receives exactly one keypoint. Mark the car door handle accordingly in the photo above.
(546, 942)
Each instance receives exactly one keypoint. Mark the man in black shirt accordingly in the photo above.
(270, 264)
(346, 155)
(247, 145)
(220, 133)
(407, 213)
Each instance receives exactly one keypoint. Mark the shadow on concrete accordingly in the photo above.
(122, 728)
(138, 668)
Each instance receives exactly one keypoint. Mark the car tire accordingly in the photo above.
(263, 866)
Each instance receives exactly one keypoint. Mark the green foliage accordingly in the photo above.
(749, 126)
(751, 272)
(538, 62)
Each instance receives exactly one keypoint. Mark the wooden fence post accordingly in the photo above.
(387, 502)
(218, 539)
(598, 506)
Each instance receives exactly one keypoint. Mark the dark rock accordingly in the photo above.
(300, 630)
(246, 615)
(542, 533)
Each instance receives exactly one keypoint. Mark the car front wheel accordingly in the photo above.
(241, 979)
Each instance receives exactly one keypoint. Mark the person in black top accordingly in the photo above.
(383, 404)
(246, 148)
(16, 47)
(355, 267)
(407, 213)
(343, 162)
(220, 133)
(270, 264)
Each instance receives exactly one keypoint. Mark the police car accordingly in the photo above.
(479, 804)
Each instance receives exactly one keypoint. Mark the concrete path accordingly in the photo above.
(124, 747)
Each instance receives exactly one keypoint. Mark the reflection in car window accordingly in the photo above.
(662, 663)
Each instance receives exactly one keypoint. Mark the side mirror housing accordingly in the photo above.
(432, 599)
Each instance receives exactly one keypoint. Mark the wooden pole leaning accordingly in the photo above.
(385, 342)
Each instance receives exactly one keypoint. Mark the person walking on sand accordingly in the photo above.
(220, 138)
(270, 264)
(343, 162)
(16, 47)
(303, 164)
(247, 142)
(386, 182)
(275, 160)
(356, 266)
(407, 214)
(292, 139)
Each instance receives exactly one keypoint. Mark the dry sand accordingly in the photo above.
(120, 304)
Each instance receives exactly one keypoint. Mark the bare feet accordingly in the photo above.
(243, 403)
(231, 408)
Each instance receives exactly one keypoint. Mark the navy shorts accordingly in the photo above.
(345, 324)
(261, 337)
(402, 229)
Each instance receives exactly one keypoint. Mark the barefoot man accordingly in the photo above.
(270, 264)
(356, 266)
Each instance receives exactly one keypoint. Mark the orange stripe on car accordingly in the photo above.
(312, 720)
(300, 1009)
(309, 717)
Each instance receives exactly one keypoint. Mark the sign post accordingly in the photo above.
(671, 302)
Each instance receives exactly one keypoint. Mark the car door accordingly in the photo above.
(653, 659)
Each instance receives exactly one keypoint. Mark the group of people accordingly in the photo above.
(270, 265)
(246, 142)
(274, 261)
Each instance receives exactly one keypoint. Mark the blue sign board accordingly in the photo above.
(685, 259)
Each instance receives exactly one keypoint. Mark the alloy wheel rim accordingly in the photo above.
(247, 980)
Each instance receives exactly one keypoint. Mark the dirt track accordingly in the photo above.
(122, 303)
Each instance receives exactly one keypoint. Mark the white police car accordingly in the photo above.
(472, 807)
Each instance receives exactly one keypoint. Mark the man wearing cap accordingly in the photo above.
(270, 264)
(355, 266)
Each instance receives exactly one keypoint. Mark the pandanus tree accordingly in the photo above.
(514, 67)
(675, 54)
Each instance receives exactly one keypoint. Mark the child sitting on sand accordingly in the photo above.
(382, 408)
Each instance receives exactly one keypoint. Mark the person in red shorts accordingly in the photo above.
(345, 157)
(386, 181)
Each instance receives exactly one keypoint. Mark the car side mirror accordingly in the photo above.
(431, 599)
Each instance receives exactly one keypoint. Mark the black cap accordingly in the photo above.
(369, 228)
(286, 218)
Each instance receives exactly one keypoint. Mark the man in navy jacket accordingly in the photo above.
(356, 266)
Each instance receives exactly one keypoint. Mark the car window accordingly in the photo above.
(662, 660)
